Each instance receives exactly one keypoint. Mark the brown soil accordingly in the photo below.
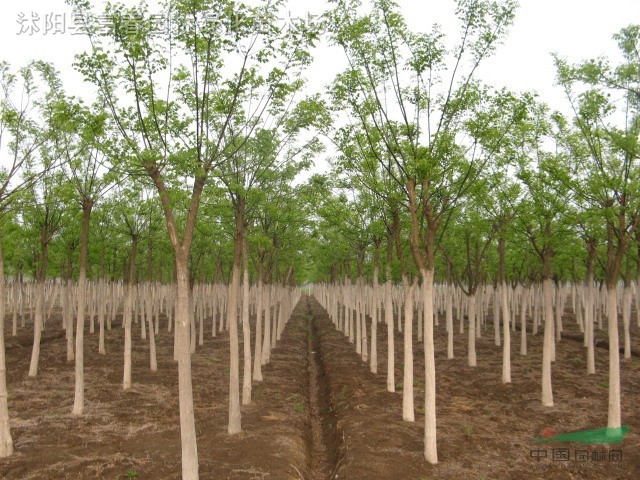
(486, 430)
(138, 431)
(318, 414)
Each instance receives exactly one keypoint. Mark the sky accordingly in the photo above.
(575, 29)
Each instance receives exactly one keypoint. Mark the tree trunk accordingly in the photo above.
(430, 447)
(373, 358)
(266, 342)
(589, 310)
(547, 392)
(523, 323)
(185, 389)
(153, 363)
(626, 315)
(506, 314)
(614, 417)
(246, 329)
(127, 313)
(6, 442)
(78, 401)
(407, 386)
(388, 315)
(102, 299)
(38, 319)
(234, 425)
(257, 356)
(471, 342)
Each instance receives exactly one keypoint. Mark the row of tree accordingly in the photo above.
(202, 133)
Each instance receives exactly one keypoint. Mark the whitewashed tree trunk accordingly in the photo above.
(68, 319)
(471, 343)
(388, 314)
(547, 392)
(497, 295)
(153, 362)
(246, 332)
(523, 323)
(373, 359)
(266, 344)
(6, 442)
(257, 356)
(185, 388)
(506, 349)
(234, 425)
(430, 445)
(408, 414)
(102, 299)
(449, 319)
(614, 418)
(626, 318)
(37, 329)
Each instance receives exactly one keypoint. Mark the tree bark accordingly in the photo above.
(38, 319)
(257, 356)
(6, 442)
(388, 316)
(407, 386)
(78, 401)
(246, 329)
(234, 425)
(127, 313)
(185, 388)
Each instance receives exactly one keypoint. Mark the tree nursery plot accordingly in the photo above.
(212, 267)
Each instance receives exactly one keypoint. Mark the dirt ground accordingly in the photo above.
(486, 430)
(318, 414)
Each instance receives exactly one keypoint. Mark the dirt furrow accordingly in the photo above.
(322, 436)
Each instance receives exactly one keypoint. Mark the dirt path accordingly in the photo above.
(322, 454)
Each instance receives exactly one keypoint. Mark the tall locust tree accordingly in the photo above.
(174, 99)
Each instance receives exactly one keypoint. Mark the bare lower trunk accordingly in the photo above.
(127, 314)
(547, 392)
(614, 419)
(102, 299)
(506, 348)
(257, 356)
(246, 332)
(626, 318)
(234, 425)
(6, 442)
(407, 385)
(388, 315)
(78, 399)
(523, 324)
(37, 329)
(373, 358)
(266, 342)
(185, 389)
(430, 447)
(69, 321)
(449, 320)
(471, 342)
(153, 363)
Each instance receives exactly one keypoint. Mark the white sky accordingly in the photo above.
(576, 29)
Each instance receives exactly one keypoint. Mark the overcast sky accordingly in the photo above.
(576, 29)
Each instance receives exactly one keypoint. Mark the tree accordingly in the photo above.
(182, 122)
(605, 101)
(16, 120)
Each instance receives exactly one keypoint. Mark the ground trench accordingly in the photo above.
(323, 439)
